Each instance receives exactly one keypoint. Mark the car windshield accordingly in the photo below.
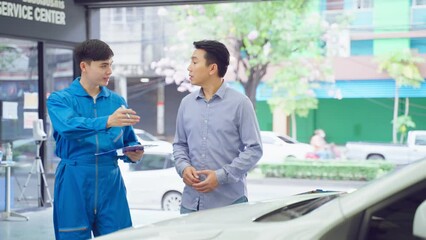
(151, 161)
(296, 210)
(146, 136)
(287, 139)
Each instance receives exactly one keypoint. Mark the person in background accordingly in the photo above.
(88, 119)
(322, 149)
(217, 138)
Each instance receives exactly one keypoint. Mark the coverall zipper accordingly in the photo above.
(96, 166)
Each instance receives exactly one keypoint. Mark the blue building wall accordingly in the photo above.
(362, 48)
(348, 89)
(419, 44)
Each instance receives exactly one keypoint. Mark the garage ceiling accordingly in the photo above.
(142, 3)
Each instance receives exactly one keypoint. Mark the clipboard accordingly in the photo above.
(126, 149)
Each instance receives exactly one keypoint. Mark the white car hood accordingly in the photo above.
(232, 222)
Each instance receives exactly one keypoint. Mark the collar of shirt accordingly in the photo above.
(220, 92)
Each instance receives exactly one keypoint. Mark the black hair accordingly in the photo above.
(216, 52)
(92, 50)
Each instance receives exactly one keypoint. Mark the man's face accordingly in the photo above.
(97, 72)
(199, 71)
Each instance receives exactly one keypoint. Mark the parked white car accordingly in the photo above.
(392, 207)
(153, 182)
(414, 149)
(151, 142)
(277, 148)
(146, 138)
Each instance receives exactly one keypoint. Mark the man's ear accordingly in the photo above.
(213, 69)
(83, 66)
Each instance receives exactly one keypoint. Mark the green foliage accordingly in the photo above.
(404, 122)
(328, 169)
(292, 87)
(402, 66)
(259, 33)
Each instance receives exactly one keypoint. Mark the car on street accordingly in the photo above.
(390, 207)
(396, 153)
(153, 183)
(277, 148)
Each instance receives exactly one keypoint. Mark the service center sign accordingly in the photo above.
(48, 11)
(46, 19)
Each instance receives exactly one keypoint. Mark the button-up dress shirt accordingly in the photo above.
(221, 134)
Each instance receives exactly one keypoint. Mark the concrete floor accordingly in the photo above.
(40, 223)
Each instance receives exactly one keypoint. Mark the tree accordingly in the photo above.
(293, 87)
(402, 66)
(404, 122)
(259, 34)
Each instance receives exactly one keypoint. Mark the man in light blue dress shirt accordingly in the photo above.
(217, 138)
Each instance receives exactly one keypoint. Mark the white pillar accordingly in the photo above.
(121, 86)
(160, 109)
(279, 121)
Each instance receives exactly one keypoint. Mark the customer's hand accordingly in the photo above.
(208, 184)
(190, 176)
(122, 117)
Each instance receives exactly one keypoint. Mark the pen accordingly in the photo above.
(124, 107)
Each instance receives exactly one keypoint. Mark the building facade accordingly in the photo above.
(363, 109)
(359, 105)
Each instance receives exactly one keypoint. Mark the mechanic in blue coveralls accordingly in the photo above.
(87, 118)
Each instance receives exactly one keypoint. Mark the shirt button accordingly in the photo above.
(204, 138)
(205, 121)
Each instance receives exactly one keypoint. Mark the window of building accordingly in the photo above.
(59, 75)
(363, 4)
(419, 44)
(361, 48)
(18, 87)
(419, 2)
(131, 14)
(118, 15)
(18, 109)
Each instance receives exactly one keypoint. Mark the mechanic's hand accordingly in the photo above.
(122, 117)
(208, 184)
(134, 156)
(190, 176)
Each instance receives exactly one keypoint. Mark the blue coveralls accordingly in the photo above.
(89, 191)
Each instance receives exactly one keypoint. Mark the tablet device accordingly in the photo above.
(133, 148)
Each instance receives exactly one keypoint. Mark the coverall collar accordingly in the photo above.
(77, 89)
